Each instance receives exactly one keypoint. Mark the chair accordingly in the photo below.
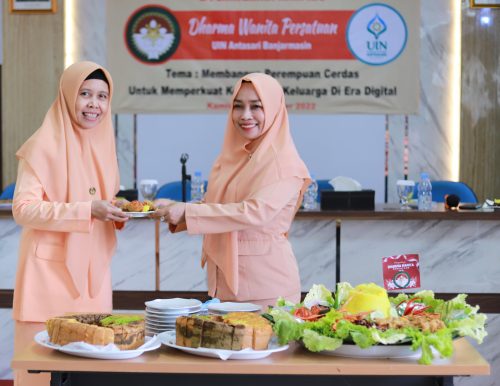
(173, 190)
(322, 185)
(442, 188)
(8, 192)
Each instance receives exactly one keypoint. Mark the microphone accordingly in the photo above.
(185, 176)
(451, 201)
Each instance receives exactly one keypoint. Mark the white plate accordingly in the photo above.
(233, 307)
(156, 319)
(152, 343)
(378, 351)
(139, 214)
(171, 314)
(160, 325)
(173, 304)
(168, 339)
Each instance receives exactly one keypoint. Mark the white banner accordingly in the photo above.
(330, 56)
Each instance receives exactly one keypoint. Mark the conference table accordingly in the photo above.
(294, 366)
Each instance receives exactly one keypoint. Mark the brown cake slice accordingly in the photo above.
(256, 326)
(63, 331)
(180, 331)
(234, 331)
(126, 331)
(193, 333)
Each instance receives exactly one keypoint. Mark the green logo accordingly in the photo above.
(152, 34)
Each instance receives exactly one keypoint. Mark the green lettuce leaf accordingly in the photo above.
(318, 294)
(316, 342)
(342, 294)
(474, 326)
(286, 327)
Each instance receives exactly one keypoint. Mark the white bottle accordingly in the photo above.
(197, 187)
(310, 196)
(424, 193)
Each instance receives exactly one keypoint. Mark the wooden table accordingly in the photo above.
(295, 366)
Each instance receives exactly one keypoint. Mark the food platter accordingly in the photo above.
(97, 352)
(168, 339)
(139, 214)
(364, 322)
(377, 351)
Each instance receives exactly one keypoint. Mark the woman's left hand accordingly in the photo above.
(173, 213)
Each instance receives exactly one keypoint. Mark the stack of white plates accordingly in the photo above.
(226, 307)
(161, 313)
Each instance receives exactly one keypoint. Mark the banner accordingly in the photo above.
(350, 56)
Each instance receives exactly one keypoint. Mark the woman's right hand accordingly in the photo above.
(163, 202)
(105, 211)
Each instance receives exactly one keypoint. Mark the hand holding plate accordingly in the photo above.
(105, 211)
(174, 213)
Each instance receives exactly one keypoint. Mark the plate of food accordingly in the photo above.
(168, 339)
(100, 336)
(87, 350)
(140, 214)
(236, 335)
(363, 321)
(351, 350)
(138, 209)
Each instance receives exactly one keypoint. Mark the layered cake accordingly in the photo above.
(125, 331)
(234, 331)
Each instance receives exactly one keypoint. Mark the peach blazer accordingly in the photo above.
(254, 190)
(65, 255)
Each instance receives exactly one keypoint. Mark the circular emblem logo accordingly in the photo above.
(376, 34)
(152, 34)
(401, 279)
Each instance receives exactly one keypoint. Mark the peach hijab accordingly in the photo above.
(68, 160)
(245, 166)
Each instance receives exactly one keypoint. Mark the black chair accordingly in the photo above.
(173, 190)
(323, 185)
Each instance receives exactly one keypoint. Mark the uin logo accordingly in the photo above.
(152, 34)
(376, 27)
(376, 34)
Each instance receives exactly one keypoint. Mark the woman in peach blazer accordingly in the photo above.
(254, 189)
(67, 177)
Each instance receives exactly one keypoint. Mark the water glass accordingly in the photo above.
(405, 192)
(148, 189)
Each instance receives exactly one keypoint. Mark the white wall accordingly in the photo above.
(330, 145)
(340, 141)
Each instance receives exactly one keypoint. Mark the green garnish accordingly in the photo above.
(120, 319)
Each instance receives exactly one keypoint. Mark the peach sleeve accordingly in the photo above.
(30, 210)
(257, 210)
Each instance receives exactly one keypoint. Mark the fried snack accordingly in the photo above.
(148, 206)
(139, 206)
(133, 206)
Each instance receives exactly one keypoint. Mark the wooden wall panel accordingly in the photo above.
(480, 115)
(33, 60)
